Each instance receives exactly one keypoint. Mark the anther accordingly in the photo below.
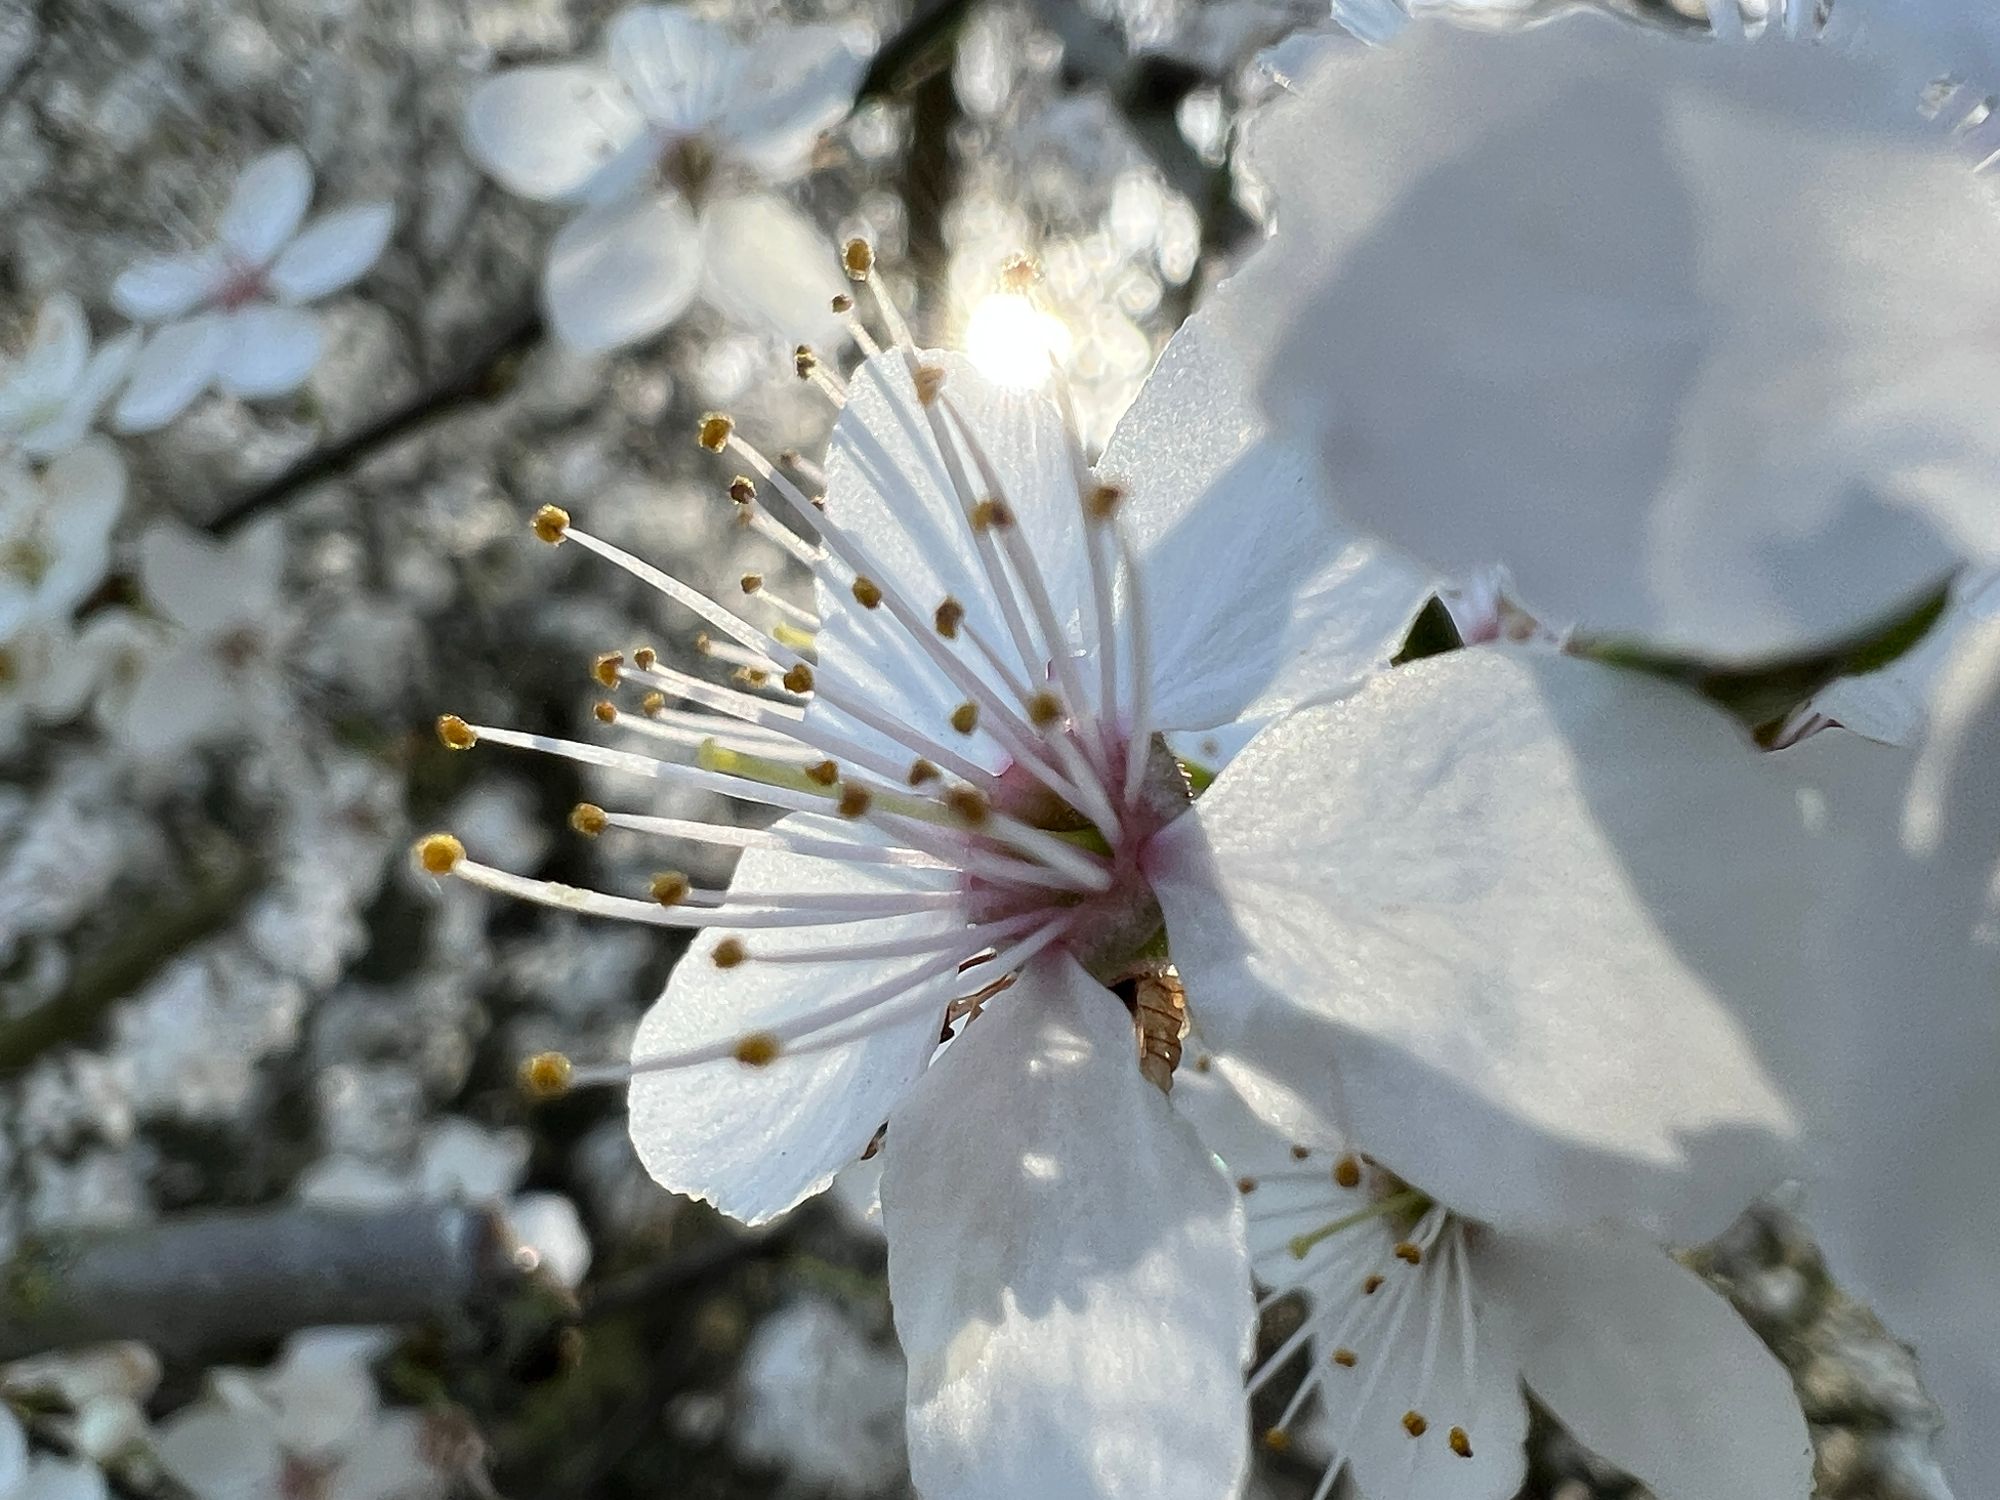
(456, 733)
(588, 819)
(670, 887)
(1460, 1443)
(825, 773)
(854, 801)
(604, 713)
(1103, 501)
(1044, 709)
(550, 522)
(1300, 1153)
(751, 582)
(742, 490)
(991, 515)
(644, 658)
(758, 1050)
(804, 361)
(605, 668)
(653, 703)
(965, 718)
(704, 643)
(922, 771)
(1414, 1424)
(1346, 1358)
(867, 592)
(714, 433)
(970, 806)
(546, 1075)
(1409, 1254)
(439, 853)
(799, 678)
(930, 381)
(1278, 1440)
(728, 953)
(1371, 1286)
(1020, 273)
(950, 615)
(841, 303)
(1246, 1185)
(750, 676)
(1347, 1172)
(857, 258)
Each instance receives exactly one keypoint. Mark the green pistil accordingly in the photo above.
(1409, 1200)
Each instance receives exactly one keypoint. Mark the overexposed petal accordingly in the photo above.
(1650, 1367)
(176, 364)
(680, 69)
(622, 272)
(1066, 1265)
(332, 251)
(266, 205)
(768, 267)
(1536, 915)
(754, 1141)
(546, 131)
(270, 352)
(167, 286)
(796, 83)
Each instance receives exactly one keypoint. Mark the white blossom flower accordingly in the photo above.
(25, 1476)
(53, 391)
(1681, 333)
(1422, 1327)
(663, 145)
(821, 1401)
(233, 313)
(962, 734)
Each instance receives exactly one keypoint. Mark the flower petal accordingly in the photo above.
(622, 272)
(1255, 596)
(175, 366)
(1892, 703)
(1676, 335)
(57, 349)
(271, 351)
(332, 251)
(221, 1454)
(768, 267)
(754, 1141)
(179, 699)
(679, 68)
(13, 1450)
(62, 1479)
(546, 131)
(84, 491)
(1539, 908)
(167, 286)
(267, 203)
(1650, 1367)
(796, 83)
(101, 375)
(208, 587)
(1066, 1266)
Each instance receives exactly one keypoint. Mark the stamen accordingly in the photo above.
(588, 819)
(738, 630)
(1139, 732)
(455, 732)
(1414, 1424)
(546, 1075)
(440, 854)
(714, 431)
(1396, 1203)
(808, 366)
(550, 523)
(1347, 1172)
(867, 593)
(729, 837)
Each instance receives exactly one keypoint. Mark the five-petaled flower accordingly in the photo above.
(51, 393)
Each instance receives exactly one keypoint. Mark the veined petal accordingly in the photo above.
(754, 1141)
(680, 69)
(1677, 335)
(1070, 1290)
(796, 83)
(267, 203)
(167, 286)
(768, 267)
(271, 351)
(1650, 1367)
(177, 363)
(1536, 913)
(546, 131)
(622, 272)
(332, 251)
(1257, 597)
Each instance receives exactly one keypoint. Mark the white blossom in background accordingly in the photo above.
(25, 1476)
(233, 313)
(961, 732)
(313, 1424)
(51, 393)
(822, 1402)
(1423, 1327)
(1679, 334)
(666, 147)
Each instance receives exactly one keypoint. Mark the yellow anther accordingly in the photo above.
(922, 771)
(546, 1075)
(1346, 1358)
(704, 643)
(991, 515)
(1409, 1254)
(1103, 501)
(1044, 709)
(587, 818)
(456, 733)
(653, 703)
(550, 522)
(729, 953)
(742, 490)
(1371, 1286)
(644, 658)
(1246, 1185)
(670, 887)
(965, 718)
(439, 853)
(1414, 1424)
(758, 1050)
(799, 678)
(714, 432)
(854, 801)
(1277, 1440)
(969, 806)
(823, 773)
(751, 582)
(1460, 1443)
(930, 381)
(750, 676)
(950, 615)
(604, 713)
(1347, 1172)
(841, 303)
(857, 258)
(867, 593)
(605, 668)
(804, 361)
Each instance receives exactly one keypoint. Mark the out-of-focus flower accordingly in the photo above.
(966, 750)
(1422, 1327)
(1679, 335)
(822, 1401)
(232, 313)
(53, 391)
(40, 1477)
(55, 533)
(663, 146)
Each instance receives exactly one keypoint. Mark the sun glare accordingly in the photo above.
(1013, 342)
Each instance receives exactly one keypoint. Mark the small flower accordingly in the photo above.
(662, 145)
(1690, 335)
(39, 1477)
(232, 313)
(55, 533)
(53, 391)
(1422, 1327)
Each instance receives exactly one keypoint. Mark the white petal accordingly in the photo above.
(1255, 596)
(221, 1454)
(271, 351)
(679, 68)
(57, 349)
(176, 365)
(1537, 907)
(797, 82)
(267, 203)
(63, 1479)
(622, 272)
(1892, 703)
(13, 1450)
(332, 251)
(1676, 335)
(85, 490)
(100, 376)
(768, 267)
(391, 1463)
(548, 1225)
(208, 587)
(1650, 1367)
(181, 698)
(322, 1389)
(755, 1141)
(1066, 1266)
(167, 286)
(546, 131)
